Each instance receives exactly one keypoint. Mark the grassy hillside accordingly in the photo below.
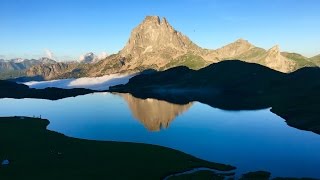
(299, 59)
(316, 59)
(189, 60)
(253, 55)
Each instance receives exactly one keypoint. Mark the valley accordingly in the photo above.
(159, 90)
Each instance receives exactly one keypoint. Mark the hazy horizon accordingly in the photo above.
(66, 30)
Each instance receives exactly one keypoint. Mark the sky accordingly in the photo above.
(66, 29)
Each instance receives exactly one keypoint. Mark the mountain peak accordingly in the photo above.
(235, 49)
(165, 22)
(155, 35)
(276, 47)
(274, 50)
(152, 19)
(275, 60)
(241, 40)
(155, 20)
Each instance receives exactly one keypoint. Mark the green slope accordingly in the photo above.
(316, 60)
(299, 59)
(189, 60)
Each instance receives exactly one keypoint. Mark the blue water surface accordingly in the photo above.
(249, 140)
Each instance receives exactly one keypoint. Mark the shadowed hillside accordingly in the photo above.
(236, 85)
(10, 89)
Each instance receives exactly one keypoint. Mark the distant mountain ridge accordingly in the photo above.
(155, 44)
(22, 64)
(14, 68)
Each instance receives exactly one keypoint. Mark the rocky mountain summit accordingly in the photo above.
(53, 71)
(234, 49)
(155, 44)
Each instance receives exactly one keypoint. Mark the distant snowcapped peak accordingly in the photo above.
(17, 60)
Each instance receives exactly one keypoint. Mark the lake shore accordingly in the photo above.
(35, 152)
(31, 151)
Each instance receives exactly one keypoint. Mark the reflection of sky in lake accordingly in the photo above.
(249, 140)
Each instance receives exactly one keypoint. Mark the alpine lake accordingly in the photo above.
(249, 140)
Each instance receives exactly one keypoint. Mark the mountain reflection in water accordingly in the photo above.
(251, 140)
(152, 113)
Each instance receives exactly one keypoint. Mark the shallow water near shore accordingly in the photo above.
(249, 140)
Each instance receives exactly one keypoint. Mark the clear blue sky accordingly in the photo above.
(70, 28)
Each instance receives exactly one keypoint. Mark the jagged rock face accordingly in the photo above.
(51, 71)
(243, 50)
(154, 114)
(45, 60)
(156, 42)
(275, 60)
(110, 65)
(22, 64)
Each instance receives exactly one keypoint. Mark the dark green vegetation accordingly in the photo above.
(37, 153)
(10, 89)
(236, 85)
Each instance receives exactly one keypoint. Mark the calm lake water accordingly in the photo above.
(249, 140)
